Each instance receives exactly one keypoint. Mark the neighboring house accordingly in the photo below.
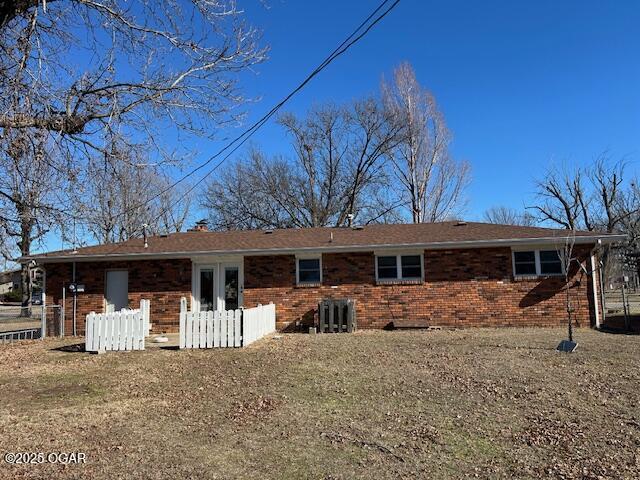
(453, 274)
(9, 281)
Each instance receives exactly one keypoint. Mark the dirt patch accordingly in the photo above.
(248, 410)
(443, 404)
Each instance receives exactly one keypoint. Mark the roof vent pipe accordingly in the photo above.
(350, 220)
(330, 236)
(144, 235)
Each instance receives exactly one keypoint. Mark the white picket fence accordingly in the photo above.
(225, 328)
(122, 330)
(258, 322)
(145, 308)
(210, 329)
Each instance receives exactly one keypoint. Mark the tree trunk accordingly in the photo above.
(25, 248)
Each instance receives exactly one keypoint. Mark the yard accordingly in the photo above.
(443, 404)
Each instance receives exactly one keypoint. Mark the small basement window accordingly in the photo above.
(398, 267)
(537, 262)
(309, 271)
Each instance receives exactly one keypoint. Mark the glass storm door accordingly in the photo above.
(219, 286)
(231, 294)
(208, 296)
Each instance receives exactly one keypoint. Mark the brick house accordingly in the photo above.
(453, 274)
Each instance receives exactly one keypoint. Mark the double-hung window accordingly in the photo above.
(309, 270)
(537, 262)
(398, 267)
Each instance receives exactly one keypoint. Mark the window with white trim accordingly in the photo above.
(398, 267)
(537, 262)
(309, 270)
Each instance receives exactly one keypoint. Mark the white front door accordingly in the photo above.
(218, 286)
(116, 292)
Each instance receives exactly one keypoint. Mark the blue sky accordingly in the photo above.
(522, 85)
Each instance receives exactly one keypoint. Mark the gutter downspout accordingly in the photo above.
(64, 309)
(594, 283)
(602, 297)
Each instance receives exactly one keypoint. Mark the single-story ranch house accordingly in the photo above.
(452, 274)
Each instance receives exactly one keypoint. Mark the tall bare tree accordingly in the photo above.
(174, 206)
(120, 198)
(338, 173)
(596, 197)
(509, 216)
(30, 182)
(583, 197)
(433, 182)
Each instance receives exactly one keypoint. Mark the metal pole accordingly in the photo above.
(624, 308)
(602, 295)
(74, 301)
(63, 310)
(43, 327)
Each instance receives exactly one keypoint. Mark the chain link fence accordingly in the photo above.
(25, 323)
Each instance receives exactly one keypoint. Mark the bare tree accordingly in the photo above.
(629, 254)
(594, 198)
(119, 199)
(583, 198)
(509, 216)
(433, 182)
(174, 207)
(338, 173)
(83, 68)
(29, 184)
(564, 251)
(114, 201)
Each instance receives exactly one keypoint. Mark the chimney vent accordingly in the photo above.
(201, 226)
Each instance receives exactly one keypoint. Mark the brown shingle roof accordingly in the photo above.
(426, 235)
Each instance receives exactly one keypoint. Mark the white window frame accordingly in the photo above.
(399, 256)
(538, 264)
(308, 257)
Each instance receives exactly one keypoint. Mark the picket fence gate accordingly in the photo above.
(225, 328)
(145, 309)
(117, 331)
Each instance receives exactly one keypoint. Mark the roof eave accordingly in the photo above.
(579, 240)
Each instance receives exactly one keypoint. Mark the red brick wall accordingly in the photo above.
(462, 288)
(161, 281)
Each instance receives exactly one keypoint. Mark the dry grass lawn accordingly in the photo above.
(452, 404)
